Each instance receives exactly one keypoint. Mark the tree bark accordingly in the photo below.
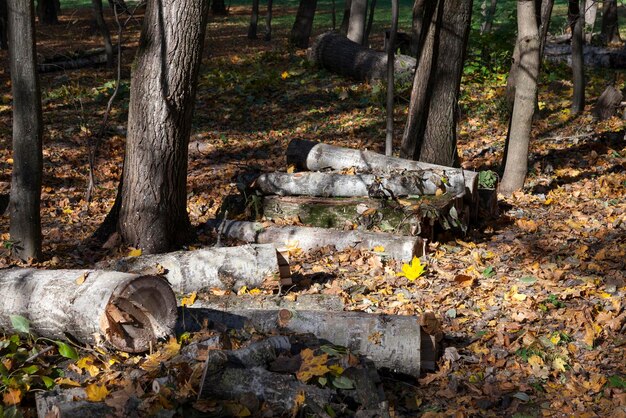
(345, 21)
(268, 21)
(370, 23)
(47, 12)
(576, 21)
(200, 270)
(390, 73)
(607, 103)
(430, 131)
(104, 30)
(610, 25)
(218, 8)
(307, 302)
(356, 25)
(417, 25)
(254, 18)
(340, 55)
(153, 213)
(591, 10)
(525, 98)
(92, 58)
(487, 12)
(302, 27)
(127, 311)
(4, 14)
(25, 218)
(307, 238)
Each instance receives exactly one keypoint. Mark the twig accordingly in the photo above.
(39, 354)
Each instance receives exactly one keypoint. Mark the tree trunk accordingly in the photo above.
(128, 311)
(218, 8)
(200, 270)
(608, 103)
(370, 23)
(340, 55)
(4, 42)
(356, 25)
(254, 18)
(417, 25)
(345, 21)
(576, 22)
(525, 98)
(153, 213)
(487, 12)
(47, 12)
(104, 30)
(303, 25)
(591, 11)
(268, 21)
(397, 247)
(391, 51)
(430, 132)
(610, 25)
(25, 218)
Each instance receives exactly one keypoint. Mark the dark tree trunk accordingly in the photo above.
(576, 22)
(4, 44)
(370, 23)
(525, 98)
(268, 21)
(218, 8)
(430, 132)
(104, 30)
(416, 26)
(488, 12)
(356, 25)
(610, 25)
(25, 220)
(345, 21)
(390, 74)
(47, 12)
(153, 212)
(334, 14)
(303, 25)
(254, 19)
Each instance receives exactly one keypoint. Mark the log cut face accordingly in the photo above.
(127, 311)
(336, 53)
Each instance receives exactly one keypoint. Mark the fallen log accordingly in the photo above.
(69, 403)
(397, 247)
(336, 53)
(607, 103)
(128, 311)
(593, 56)
(407, 217)
(314, 302)
(414, 183)
(217, 267)
(74, 60)
(397, 343)
(315, 156)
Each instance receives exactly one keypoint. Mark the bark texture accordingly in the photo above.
(254, 19)
(610, 24)
(607, 103)
(525, 98)
(47, 12)
(576, 21)
(127, 311)
(25, 218)
(430, 131)
(153, 213)
(416, 26)
(104, 30)
(340, 55)
(356, 25)
(302, 27)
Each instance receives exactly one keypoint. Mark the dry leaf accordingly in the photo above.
(134, 252)
(96, 393)
(312, 365)
(189, 300)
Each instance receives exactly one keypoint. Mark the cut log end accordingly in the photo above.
(140, 311)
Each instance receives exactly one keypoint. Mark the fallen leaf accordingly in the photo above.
(134, 252)
(189, 300)
(12, 396)
(412, 271)
(95, 392)
(312, 365)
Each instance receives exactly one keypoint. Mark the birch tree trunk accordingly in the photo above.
(525, 97)
(356, 25)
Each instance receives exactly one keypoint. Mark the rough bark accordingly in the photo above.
(356, 25)
(153, 214)
(576, 21)
(47, 12)
(314, 156)
(398, 343)
(607, 103)
(430, 131)
(307, 238)
(416, 26)
(204, 269)
(525, 98)
(417, 183)
(104, 30)
(340, 55)
(127, 311)
(25, 218)
(254, 19)
(312, 302)
(610, 25)
(303, 25)
(69, 403)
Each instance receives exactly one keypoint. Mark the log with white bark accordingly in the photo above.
(315, 156)
(414, 183)
(336, 53)
(405, 216)
(313, 302)
(307, 238)
(593, 56)
(207, 268)
(128, 311)
(69, 403)
(397, 343)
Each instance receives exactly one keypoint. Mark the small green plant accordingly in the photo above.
(487, 179)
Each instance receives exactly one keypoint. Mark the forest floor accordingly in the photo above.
(532, 304)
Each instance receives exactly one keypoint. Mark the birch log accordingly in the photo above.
(397, 343)
(415, 183)
(127, 311)
(207, 268)
(307, 238)
(313, 302)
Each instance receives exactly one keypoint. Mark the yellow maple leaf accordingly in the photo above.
(96, 393)
(312, 365)
(255, 291)
(12, 396)
(189, 300)
(559, 364)
(134, 252)
(86, 363)
(284, 75)
(81, 279)
(379, 249)
(412, 271)
(291, 169)
(65, 381)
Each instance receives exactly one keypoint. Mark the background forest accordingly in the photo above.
(530, 303)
